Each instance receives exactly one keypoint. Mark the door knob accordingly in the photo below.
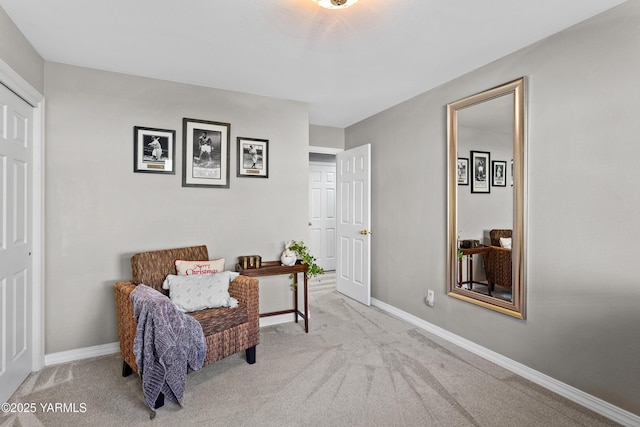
(310, 224)
(365, 232)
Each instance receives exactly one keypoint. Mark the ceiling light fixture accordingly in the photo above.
(335, 4)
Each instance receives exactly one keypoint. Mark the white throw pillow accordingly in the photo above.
(197, 292)
(505, 242)
(187, 268)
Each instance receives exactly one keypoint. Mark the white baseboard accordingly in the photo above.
(276, 320)
(81, 353)
(114, 347)
(593, 403)
(280, 318)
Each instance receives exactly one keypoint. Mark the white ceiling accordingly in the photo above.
(347, 64)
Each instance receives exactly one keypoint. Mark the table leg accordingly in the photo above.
(470, 271)
(306, 304)
(295, 295)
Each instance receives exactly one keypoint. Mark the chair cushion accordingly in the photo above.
(505, 242)
(214, 320)
(200, 291)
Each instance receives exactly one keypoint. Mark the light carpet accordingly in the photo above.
(357, 366)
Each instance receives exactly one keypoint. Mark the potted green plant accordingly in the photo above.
(304, 257)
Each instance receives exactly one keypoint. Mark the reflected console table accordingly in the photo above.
(275, 268)
(469, 253)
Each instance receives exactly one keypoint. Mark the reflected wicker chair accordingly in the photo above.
(497, 261)
(227, 331)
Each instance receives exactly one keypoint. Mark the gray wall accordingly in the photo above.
(18, 53)
(584, 207)
(326, 136)
(99, 212)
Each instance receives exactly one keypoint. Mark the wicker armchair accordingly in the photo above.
(497, 261)
(227, 331)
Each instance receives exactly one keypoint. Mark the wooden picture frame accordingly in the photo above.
(480, 173)
(463, 171)
(205, 153)
(499, 173)
(154, 150)
(253, 157)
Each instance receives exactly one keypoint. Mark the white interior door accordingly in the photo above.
(354, 223)
(16, 204)
(322, 213)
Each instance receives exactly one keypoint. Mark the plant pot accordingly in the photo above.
(288, 258)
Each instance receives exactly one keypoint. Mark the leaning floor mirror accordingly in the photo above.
(486, 171)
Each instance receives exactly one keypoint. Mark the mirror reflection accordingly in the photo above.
(486, 201)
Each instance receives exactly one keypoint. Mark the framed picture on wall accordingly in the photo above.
(253, 157)
(463, 171)
(154, 150)
(480, 163)
(499, 173)
(205, 153)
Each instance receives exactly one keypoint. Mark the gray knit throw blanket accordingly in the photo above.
(167, 345)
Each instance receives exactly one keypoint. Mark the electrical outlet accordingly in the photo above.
(431, 298)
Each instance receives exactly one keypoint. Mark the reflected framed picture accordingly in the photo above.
(480, 163)
(253, 157)
(499, 173)
(205, 153)
(511, 172)
(154, 150)
(463, 171)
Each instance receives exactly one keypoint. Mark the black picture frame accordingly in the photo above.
(253, 157)
(463, 171)
(499, 173)
(480, 173)
(154, 150)
(205, 153)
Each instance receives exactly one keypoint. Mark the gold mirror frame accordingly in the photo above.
(515, 307)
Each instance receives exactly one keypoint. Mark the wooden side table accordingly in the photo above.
(470, 252)
(274, 268)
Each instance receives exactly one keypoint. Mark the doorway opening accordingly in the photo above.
(322, 217)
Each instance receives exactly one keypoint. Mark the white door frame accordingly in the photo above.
(324, 150)
(24, 90)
